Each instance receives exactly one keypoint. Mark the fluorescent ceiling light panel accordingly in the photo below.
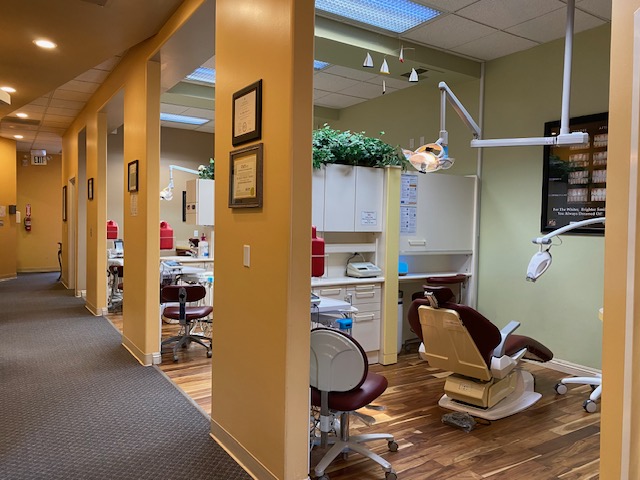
(318, 65)
(170, 117)
(394, 15)
(204, 75)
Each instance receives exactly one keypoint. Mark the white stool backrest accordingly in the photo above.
(337, 363)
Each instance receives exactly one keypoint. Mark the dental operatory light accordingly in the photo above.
(565, 137)
(167, 192)
(541, 260)
(429, 158)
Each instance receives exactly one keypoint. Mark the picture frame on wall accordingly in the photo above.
(574, 185)
(247, 114)
(132, 176)
(245, 177)
(64, 203)
(90, 189)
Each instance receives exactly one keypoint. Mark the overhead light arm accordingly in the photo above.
(167, 192)
(541, 260)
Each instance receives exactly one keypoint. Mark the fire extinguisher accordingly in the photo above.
(27, 218)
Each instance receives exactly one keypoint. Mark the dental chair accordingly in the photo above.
(340, 384)
(486, 381)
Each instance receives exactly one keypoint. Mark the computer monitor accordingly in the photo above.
(118, 246)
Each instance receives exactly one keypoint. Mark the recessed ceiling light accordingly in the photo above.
(42, 43)
(8, 89)
(170, 117)
(18, 136)
(204, 75)
(21, 115)
(319, 65)
(395, 15)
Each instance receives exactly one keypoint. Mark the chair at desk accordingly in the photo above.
(340, 384)
(116, 288)
(186, 315)
(486, 381)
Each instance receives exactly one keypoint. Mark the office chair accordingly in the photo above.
(186, 315)
(116, 287)
(340, 384)
(486, 381)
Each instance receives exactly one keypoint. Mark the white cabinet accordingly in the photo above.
(348, 199)
(200, 201)
(442, 219)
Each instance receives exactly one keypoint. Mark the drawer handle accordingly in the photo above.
(365, 294)
(418, 242)
(364, 317)
(365, 288)
(330, 291)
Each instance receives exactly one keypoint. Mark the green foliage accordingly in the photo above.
(207, 171)
(348, 148)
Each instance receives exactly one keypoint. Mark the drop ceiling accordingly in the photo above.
(93, 35)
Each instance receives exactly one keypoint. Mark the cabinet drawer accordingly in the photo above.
(364, 294)
(367, 333)
(331, 292)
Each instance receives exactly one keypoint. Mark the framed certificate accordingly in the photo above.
(247, 114)
(245, 177)
(132, 176)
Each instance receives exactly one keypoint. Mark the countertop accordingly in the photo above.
(330, 281)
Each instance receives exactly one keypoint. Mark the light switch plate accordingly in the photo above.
(246, 255)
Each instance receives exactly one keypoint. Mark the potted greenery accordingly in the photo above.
(332, 146)
(207, 172)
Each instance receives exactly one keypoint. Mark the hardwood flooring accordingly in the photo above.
(554, 439)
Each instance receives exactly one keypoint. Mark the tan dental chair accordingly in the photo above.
(486, 381)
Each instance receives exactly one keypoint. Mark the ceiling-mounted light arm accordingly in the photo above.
(167, 192)
(541, 260)
(447, 95)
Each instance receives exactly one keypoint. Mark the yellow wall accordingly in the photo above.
(261, 329)
(140, 79)
(38, 186)
(8, 196)
(620, 428)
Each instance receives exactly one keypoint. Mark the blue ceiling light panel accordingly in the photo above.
(319, 65)
(170, 117)
(397, 16)
(204, 75)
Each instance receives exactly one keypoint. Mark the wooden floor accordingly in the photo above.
(555, 439)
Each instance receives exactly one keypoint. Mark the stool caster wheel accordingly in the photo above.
(590, 406)
(392, 445)
(561, 388)
(390, 476)
(208, 353)
(323, 477)
(175, 358)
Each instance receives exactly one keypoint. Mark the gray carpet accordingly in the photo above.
(74, 404)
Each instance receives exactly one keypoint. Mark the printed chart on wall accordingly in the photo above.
(575, 176)
(408, 204)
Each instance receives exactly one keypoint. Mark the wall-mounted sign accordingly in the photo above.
(38, 157)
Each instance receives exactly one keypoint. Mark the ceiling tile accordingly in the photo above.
(553, 26)
(601, 8)
(93, 75)
(78, 86)
(183, 126)
(60, 119)
(332, 83)
(318, 94)
(364, 90)
(448, 32)
(41, 101)
(110, 64)
(336, 100)
(72, 104)
(66, 112)
(362, 75)
(200, 113)
(171, 108)
(495, 45)
(503, 14)
(447, 5)
(398, 83)
(71, 95)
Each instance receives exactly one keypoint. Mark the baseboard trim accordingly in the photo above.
(569, 368)
(8, 277)
(39, 270)
(96, 311)
(145, 359)
(242, 457)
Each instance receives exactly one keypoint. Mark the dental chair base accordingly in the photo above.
(504, 398)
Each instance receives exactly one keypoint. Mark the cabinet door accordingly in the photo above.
(200, 201)
(339, 198)
(317, 199)
(445, 215)
(369, 199)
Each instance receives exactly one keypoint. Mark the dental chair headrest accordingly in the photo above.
(442, 294)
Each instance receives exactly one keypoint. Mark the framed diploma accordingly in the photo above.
(245, 177)
(132, 176)
(247, 114)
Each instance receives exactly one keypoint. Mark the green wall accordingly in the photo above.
(522, 92)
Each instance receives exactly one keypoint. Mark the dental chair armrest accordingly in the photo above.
(505, 332)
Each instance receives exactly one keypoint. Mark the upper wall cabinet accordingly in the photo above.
(200, 201)
(348, 199)
(437, 213)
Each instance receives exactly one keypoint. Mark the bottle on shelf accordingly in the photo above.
(203, 247)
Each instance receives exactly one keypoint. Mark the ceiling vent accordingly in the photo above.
(419, 71)
(20, 121)
(100, 3)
